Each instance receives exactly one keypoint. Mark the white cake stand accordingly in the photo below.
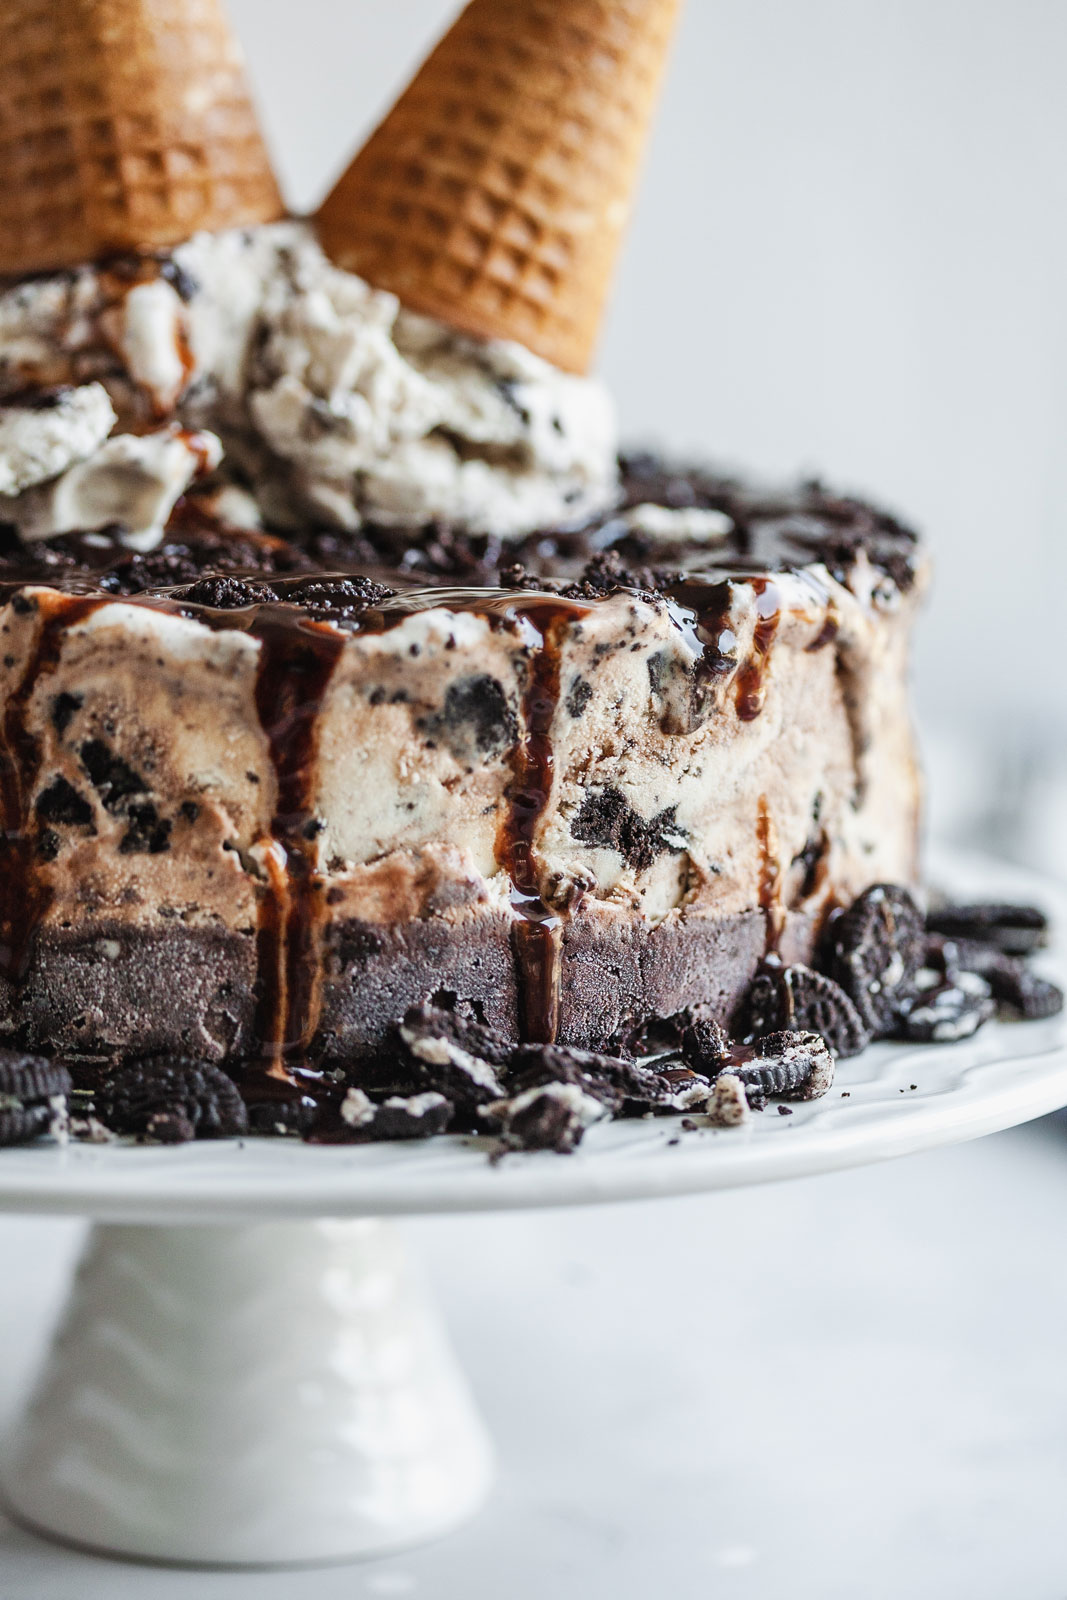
(275, 1388)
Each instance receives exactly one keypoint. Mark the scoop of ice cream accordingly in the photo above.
(333, 402)
(131, 483)
(44, 435)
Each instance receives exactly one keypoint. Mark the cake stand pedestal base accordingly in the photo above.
(248, 1395)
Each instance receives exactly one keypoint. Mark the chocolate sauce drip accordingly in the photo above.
(750, 690)
(770, 883)
(25, 893)
(702, 609)
(296, 662)
(538, 933)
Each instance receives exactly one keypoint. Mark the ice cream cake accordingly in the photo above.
(349, 673)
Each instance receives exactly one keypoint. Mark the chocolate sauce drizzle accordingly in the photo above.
(296, 661)
(537, 936)
(770, 879)
(750, 689)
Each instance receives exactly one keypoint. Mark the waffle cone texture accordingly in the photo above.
(124, 125)
(495, 193)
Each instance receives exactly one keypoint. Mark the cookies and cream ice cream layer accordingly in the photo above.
(721, 761)
(325, 398)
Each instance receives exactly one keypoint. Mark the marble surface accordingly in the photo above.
(845, 1385)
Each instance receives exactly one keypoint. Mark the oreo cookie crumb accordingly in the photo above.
(64, 706)
(61, 805)
(476, 720)
(224, 593)
(705, 1045)
(608, 820)
(338, 600)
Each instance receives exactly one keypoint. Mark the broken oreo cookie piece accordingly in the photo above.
(798, 999)
(941, 1010)
(874, 949)
(786, 1065)
(416, 1116)
(163, 1096)
(1022, 993)
(33, 1098)
(550, 1116)
(1018, 992)
(455, 1056)
(620, 1085)
(704, 1044)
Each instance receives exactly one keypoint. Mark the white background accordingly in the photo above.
(849, 254)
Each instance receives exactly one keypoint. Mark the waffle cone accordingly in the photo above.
(495, 193)
(124, 125)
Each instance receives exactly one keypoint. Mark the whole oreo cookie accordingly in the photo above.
(799, 999)
(172, 1097)
(874, 949)
(1017, 930)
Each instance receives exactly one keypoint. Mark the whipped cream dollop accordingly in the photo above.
(333, 404)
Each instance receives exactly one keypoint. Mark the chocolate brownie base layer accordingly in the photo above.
(193, 991)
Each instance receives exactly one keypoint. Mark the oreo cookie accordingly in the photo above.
(34, 1098)
(941, 1010)
(172, 1098)
(455, 1056)
(618, 1084)
(1016, 930)
(787, 1066)
(1018, 992)
(550, 1116)
(399, 1117)
(798, 999)
(873, 951)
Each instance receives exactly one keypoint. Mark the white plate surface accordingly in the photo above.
(890, 1101)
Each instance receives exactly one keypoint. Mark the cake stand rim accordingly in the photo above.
(895, 1099)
